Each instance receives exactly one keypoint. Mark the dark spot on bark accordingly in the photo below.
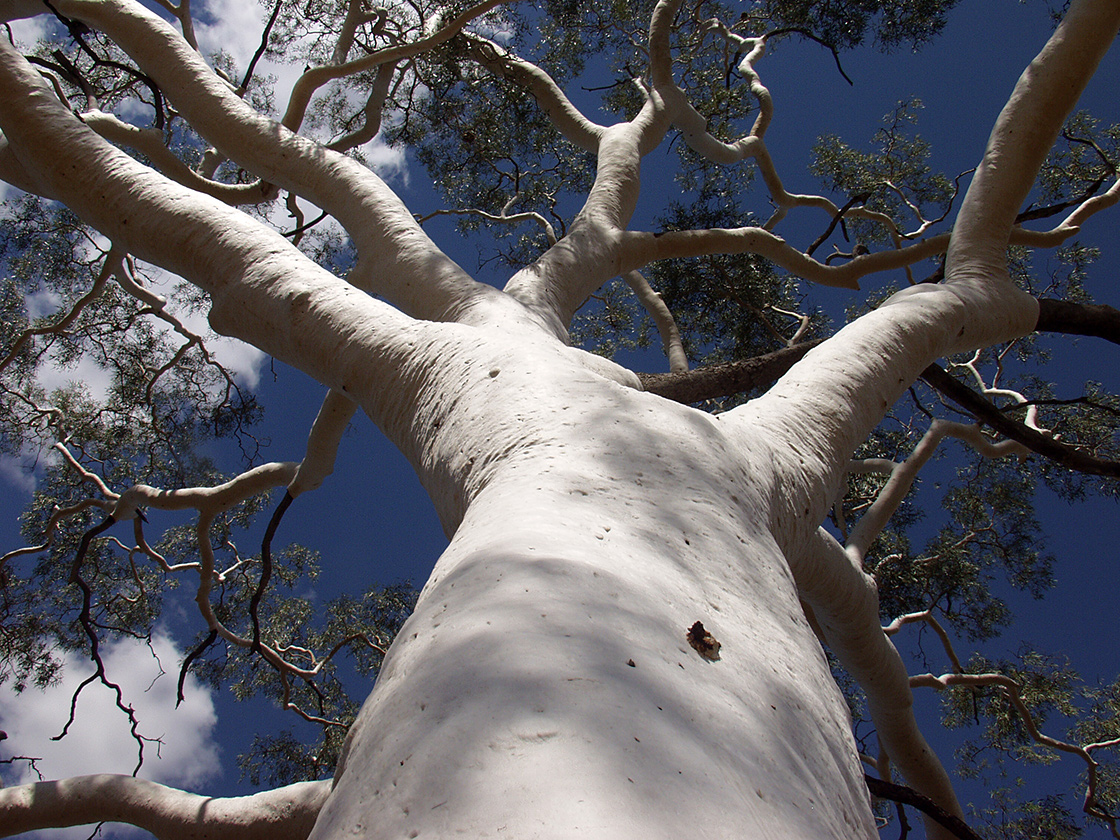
(703, 642)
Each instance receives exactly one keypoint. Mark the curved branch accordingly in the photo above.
(246, 267)
(166, 812)
(845, 607)
(1011, 691)
(316, 77)
(208, 500)
(666, 325)
(396, 258)
(716, 381)
(566, 117)
(902, 477)
(986, 412)
(639, 248)
(322, 444)
(150, 143)
(908, 796)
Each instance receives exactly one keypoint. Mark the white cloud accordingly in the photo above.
(18, 474)
(242, 360)
(233, 26)
(96, 379)
(42, 303)
(28, 31)
(99, 741)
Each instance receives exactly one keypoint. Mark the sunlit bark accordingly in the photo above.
(544, 685)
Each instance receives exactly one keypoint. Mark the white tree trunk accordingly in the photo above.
(544, 686)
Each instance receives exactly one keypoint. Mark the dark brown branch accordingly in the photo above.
(1055, 209)
(987, 413)
(1097, 320)
(191, 657)
(723, 380)
(805, 33)
(909, 796)
(266, 567)
(260, 50)
(839, 219)
(85, 617)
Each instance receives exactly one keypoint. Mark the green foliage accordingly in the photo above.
(168, 415)
(1046, 686)
(1008, 818)
(893, 177)
(845, 25)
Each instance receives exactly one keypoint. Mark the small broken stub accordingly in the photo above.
(703, 642)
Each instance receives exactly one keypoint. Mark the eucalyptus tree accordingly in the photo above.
(624, 635)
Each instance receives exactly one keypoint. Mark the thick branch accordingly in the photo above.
(396, 258)
(845, 606)
(1024, 133)
(263, 290)
(167, 813)
(1061, 316)
(818, 413)
(724, 380)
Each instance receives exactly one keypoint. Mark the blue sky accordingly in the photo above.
(387, 532)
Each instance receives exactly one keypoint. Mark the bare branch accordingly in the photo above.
(316, 77)
(1010, 689)
(845, 607)
(717, 381)
(168, 813)
(903, 475)
(908, 796)
(568, 119)
(1043, 444)
(662, 317)
(396, 258)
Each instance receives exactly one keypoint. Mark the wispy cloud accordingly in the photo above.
(99, 741)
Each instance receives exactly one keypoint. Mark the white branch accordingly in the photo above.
(316, 77)
(662, 317)
(262, 289)
(566, 117)
(168, 813)
(903, 475)
(149, 141)
(845, 604)
(208, 500)
(1024, 134)
(396, 258)
(322, 445)
(1011, 691)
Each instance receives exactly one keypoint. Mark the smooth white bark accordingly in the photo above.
(606, 523)
(544, 685)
